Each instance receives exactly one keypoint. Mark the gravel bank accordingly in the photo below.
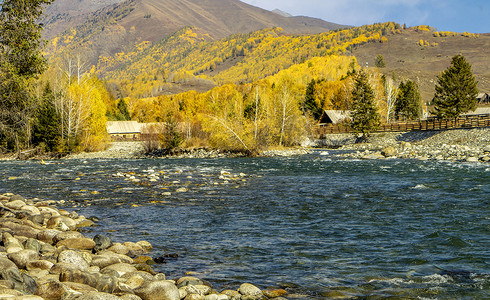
(456, 145)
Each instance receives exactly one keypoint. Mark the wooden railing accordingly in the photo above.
(474, 121)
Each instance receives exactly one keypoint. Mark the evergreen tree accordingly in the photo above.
(364, 114)
(408, 104)
(310, 104)
(456, 89)
(380, 61)
(123, 112)
(48, 127)
(21, 61)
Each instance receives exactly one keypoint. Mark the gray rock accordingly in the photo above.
(158, 290)
(97, 296)
(232, 295)
(32, 244)
(101, 242)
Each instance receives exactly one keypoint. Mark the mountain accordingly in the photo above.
(153, 20)
(63, 14)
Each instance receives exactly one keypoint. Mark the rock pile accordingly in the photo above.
(44, 256)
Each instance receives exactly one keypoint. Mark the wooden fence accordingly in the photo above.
(474, 121)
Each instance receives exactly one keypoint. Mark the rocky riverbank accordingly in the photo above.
(43, 255)
(464, 145)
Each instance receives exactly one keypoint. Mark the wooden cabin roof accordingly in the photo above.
(334, 116)
(123, 127)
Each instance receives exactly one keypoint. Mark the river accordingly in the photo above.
(318, 225)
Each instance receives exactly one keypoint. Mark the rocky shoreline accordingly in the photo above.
(462, 145)
(43, 255)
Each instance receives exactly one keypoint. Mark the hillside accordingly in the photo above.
(121, 25)
(407, 59)
(63, 14)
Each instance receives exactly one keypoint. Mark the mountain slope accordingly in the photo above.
(407, 59)
(153, 20)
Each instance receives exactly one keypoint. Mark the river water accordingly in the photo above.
(318, 225)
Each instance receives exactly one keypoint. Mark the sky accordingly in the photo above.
(447, 15)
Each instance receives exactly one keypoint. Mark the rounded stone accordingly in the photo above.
(248, 289)
(102, 242)
(77, 243)
(73, 257)
(16, 204)
(119, 268)
(22, 257)
(158, 290)
(39, 264)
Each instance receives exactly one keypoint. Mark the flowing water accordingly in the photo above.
(317, 225)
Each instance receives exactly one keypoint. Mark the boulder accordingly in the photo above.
(73, 257)
(120, 269)
(11, 244)
(102, 242)
(21, 258)
(107, 258)
(158, 290)
(32, 244)
(119, 249)
(103, 283)
(248, 289)
(51, 289)
(188, 280)
(47, 235)
(133, 249)
(147, 247)
(274, 293)
(62, 223)
(15, 204)
(136, 281)
(77, 243)
(39, 264)
(32, 210)
(59, 268)
(67, 235)
(194, 297)
(389, 151)
(21, 281)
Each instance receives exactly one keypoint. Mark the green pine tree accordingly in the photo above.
(380, 61)
(123, 111)
(21, 61)
(408, 102)
(310, 104)
(47, 130)
(364, 115)
(456, 89)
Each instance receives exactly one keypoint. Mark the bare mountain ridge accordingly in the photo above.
(156, 19)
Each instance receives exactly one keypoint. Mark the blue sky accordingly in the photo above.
(448, 15)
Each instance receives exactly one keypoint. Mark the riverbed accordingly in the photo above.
(314, 224)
